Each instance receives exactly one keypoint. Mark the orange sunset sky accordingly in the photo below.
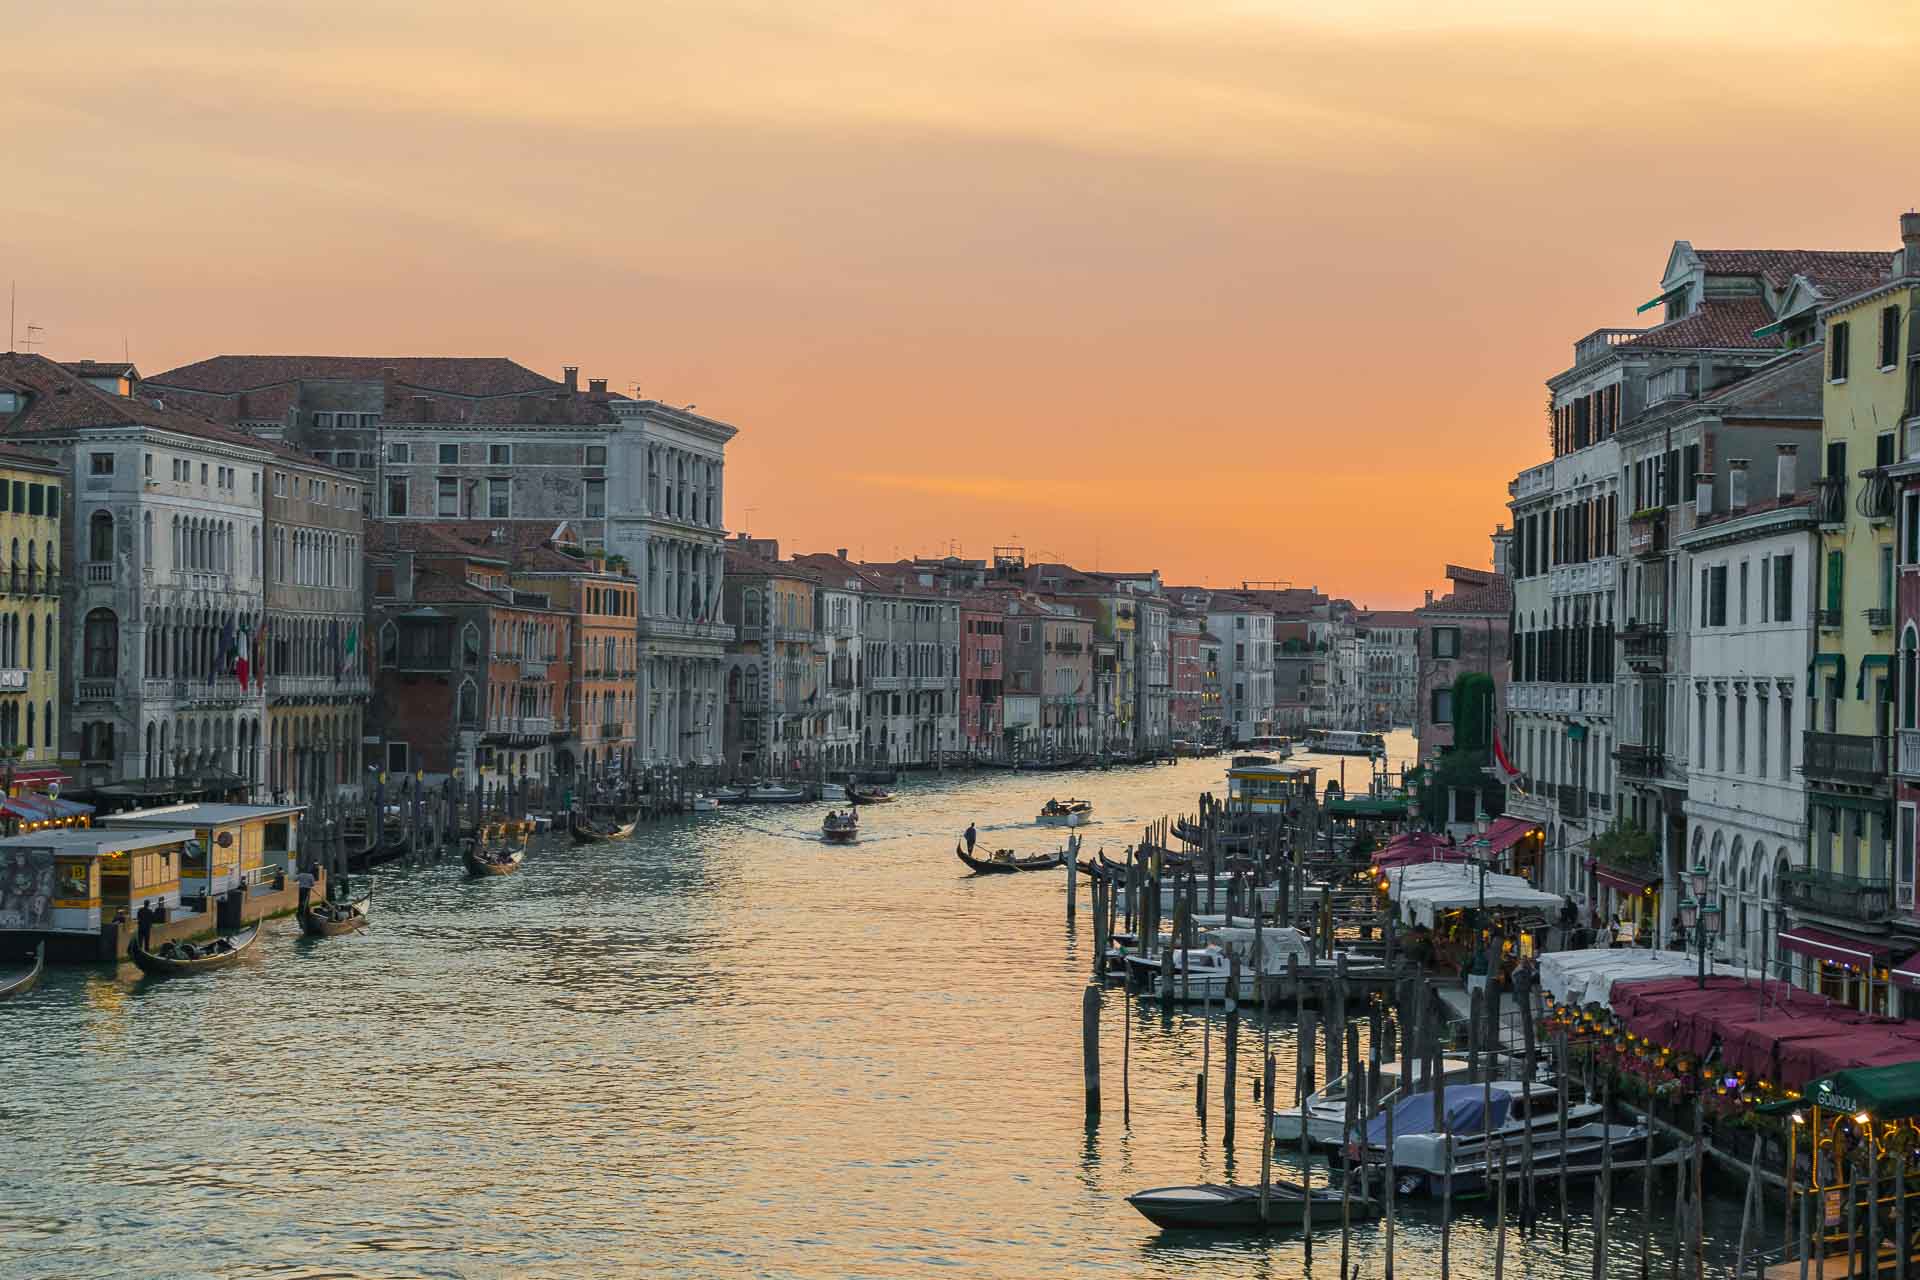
(1235, 289)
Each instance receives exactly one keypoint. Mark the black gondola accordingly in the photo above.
(19, 984)
(1212, 1206)
(330, 919)
(492, 852)
(1002, 862)
(191, 958)
(585, 832)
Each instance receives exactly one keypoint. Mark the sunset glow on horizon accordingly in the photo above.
(1237, 290)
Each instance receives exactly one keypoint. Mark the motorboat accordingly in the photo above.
(1066, 813)
(1325, 1110)
(1266, 785)
(1503, 1113)
(841, 827)
(1212, 1206)
(1347, 742)
(774, 793)
(1201, 975)
(704, 803)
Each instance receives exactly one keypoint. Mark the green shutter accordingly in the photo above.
(1836, 576)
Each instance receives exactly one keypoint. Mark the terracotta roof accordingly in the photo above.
(1493, 597)
(454, 375)
(100, 368)
(746, 564)
(1719, 324)
(1845, 270)
(10, 457)
(1388, 619)
(424, 538)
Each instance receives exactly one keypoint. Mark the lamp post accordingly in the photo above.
(1700, 917)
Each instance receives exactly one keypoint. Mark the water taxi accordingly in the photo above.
(1264, 783)
(1066, 813)
(1348, 742)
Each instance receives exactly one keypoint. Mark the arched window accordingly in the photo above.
(103, 644)
(32, 627)
(146, 540)
(389, 646)
(98, 538)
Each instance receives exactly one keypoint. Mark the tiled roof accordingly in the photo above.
(1388, 619)
(424, 538)
(100, 368)
(22, 458)
(1844, 270)
(453, 375)
(1719, 324)
(1494, 597)
(746, 564)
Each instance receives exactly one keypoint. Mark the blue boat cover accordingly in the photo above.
(1467, 1111)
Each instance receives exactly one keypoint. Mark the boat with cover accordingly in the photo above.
(841, 828)
(1346, 742)
(1066, 813)
(174, 958)
(1212, 1206)
(586, 831)
(1325, 1108)
(1003, 861)
(1502, 1112)
(331, 919)
(23, 981)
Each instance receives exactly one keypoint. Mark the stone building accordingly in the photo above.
(31, 501)
(776, 674)
(1464, 631)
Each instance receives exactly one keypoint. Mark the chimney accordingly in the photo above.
(1429, 597)
(597, 386)
(1702, 494)
(1910, 237)
(1786, 470)
(1737, 484)
(841, 552)
(570, 374)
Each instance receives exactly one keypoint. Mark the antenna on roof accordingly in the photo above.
(33, 337)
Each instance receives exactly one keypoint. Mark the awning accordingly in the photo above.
(1907, 973)
(1624, 881)
(39, 777)
(1885, 1093)
(1884, 661)
(1768, 330)
(1508, 832)
(1576, 732)
(1838, 661)
(1834, 948)
(1662, 297)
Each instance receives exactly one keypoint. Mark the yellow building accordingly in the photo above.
(1844, 891)
(31, 500)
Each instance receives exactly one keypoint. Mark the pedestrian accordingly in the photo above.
(972, 835)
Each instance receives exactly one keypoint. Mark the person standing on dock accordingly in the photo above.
(972, 835)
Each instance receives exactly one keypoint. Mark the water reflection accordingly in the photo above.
(718, 1048)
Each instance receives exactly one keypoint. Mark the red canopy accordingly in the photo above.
(1416, 847)
(1835, 948)
(1507, 832)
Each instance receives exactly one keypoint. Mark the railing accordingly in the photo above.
(1854, 758)
(1877, 495)
(1879, 619)
(1907, 764)
(1573, 801)
(346, 686)
(533, 669)
(1853, 898)
(608, 731)
(1830, 500)
(682, 629)
(1639, 761)
(1827, 617)
(1645, 646)
(1647, 535)
(96, 690)
(95, 573)
(1597, 344)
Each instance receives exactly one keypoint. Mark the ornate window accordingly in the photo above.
(103, 644)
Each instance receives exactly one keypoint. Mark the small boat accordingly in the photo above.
(497, 849)
(730, 795)
(774, 793)
(331, 919)
(585, 832)
(858, 794)
(188, 957)
(704, 803)
(1066, 813)
(1212, 1206)
(1053, 765)
(1506, 1111)
(18, 984)
(840, 828)
(1325, 1108)
(1003, 861)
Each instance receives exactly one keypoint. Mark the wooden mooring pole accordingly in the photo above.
(1090, 1046)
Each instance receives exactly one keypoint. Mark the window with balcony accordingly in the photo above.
(100, 537)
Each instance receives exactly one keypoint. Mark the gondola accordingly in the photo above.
(217, 954)
(323, 924)
(857, 794)
(1210, 1206)
(1002, 862)
(492, 852)
(585, 832)
(20, 984)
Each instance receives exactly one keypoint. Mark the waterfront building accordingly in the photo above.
(1750, 654)
(1212, 701)
(838, 633)
(164, 531)
(454, 438)
(1245, 630)
(1050, 658)
(1184, 629)
(30, 614)
(1850, 892)
(1389, 662)
(776, 672)
(308, 649)
(983, 637)
(1464, 631)
(468, 673)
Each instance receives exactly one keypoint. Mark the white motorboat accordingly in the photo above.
(1203, 973)
(1325, 1110)
(774, 793)
(1348, 742)
(1066, 813)
(1502, 1113)
(704, 803)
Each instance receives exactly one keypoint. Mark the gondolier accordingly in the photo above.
(972, 835)
(145, 919)
(306, 886)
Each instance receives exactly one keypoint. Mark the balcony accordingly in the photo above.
(1879, 619)
(95, 575)
(1637, 762)
(683, 629)
(1908, 763)
(1598, 344)
(610, 732)
(1877, 496)
(96, 690)
(1647, 533)
(1855, 899)
(533, 668)
(1646, 648)
(1827, 619)
(1573, 801)
(1830, 500)
(282, 689)
(1846, 759)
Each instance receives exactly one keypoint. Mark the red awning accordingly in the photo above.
(40, 777)
(1417, 847)
(1835, 948)
(1624, 881)
(1907, 973)
(1507, 832)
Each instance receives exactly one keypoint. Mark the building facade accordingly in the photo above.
(983, 639)
(1462, 632)
(32, 497)
(1389, 667)
(776, 673)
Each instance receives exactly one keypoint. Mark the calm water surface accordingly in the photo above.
(720, 1048)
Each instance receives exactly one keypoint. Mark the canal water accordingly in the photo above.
(720, 1048)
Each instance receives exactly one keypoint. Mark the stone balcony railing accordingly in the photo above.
(1561, 699)
(347, 686)
(1852, 759)
(1907, 758)
(1857, 899)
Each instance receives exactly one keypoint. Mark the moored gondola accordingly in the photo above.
(175, 958)
(1003, 861)
(18, 984)
(331, 919)
(1217, 1207)
(584, 832)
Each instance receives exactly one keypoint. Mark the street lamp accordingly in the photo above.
(1700, 916)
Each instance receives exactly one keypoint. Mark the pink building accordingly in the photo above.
(983, 636)
(1184, 677)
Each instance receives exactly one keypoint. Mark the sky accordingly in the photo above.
(1238, 290)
